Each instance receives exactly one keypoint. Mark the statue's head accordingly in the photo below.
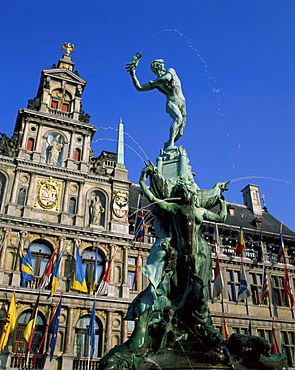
(183, 189)
(158, 67)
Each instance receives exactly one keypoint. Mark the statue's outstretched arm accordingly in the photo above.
(221, 217)
(131, 68)
(150, 196)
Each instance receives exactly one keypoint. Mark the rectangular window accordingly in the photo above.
(131, 275)
(243, 331)
(288, 346)
(264, 334)
(65, 107)
(256, 288)
(278, 291)
(233, 284)
(54, 104)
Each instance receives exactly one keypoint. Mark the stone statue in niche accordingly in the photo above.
(96, 209)
(55, 147)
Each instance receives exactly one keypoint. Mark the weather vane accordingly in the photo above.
(68, 47)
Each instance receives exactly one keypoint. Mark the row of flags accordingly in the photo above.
(51, 272)
(52, 328)
(241, 245)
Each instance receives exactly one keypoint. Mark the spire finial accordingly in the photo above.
(68, 47)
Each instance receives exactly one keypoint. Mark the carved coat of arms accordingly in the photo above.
(48, 193)
(120, 204)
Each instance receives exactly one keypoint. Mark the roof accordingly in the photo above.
(266, 221)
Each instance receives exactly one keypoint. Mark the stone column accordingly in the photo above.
(4, 247)
(31, 196)
(108, 342)
(15, 187)
(3, 253)
(65, 206)
(124, 335)
(31, 190)
(68, 345)
(25, 136)
(80, 206)
(125, 286)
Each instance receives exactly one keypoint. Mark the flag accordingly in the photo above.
(216, 239)
(10, 323)
(274, 343)
(91, 330)
(241, 242)
(79, 282)
(224, 328)
(27, 273)
(92, 285)
(260, 256)
(218, 280)
(265, 286)
(281, 254)
(288, 288)
(136, 270)
(244, 291)
(55, 274)
(139, 228)
(103, 285)
(45, 279)
(30, 327)
(4, 240)
(53, 329)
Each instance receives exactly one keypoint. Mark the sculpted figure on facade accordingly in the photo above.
(55, 147)
(96, 209)
(168, 83)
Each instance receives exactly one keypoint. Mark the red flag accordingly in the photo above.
(274, 347)
(45, 279)
(265, 286)
(218, 280)
(224, 329)
(103, 286)
(287, 287)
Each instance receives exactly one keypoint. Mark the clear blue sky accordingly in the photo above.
(235, 60)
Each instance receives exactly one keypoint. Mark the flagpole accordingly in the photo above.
(46, 330)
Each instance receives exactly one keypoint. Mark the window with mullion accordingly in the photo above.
(233, 284)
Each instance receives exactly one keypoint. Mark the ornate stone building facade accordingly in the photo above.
(55, 193)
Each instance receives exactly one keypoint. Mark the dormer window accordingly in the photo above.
(60, 100)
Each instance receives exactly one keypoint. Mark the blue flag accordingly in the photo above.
(79, 282)
(91, 330)
(27, 273)
(244, 291)
(53, 329)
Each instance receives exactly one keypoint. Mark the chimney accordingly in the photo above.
(252, 199)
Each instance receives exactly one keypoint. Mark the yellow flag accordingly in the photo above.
(30, 327)
(10, 323)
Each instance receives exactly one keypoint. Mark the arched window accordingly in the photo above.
(72, 206)
(20, 343)
(30, 144)
(60, 100)
(77, 154)
(82, 342)
(88, 260)
(40, 256)
(21, 196)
